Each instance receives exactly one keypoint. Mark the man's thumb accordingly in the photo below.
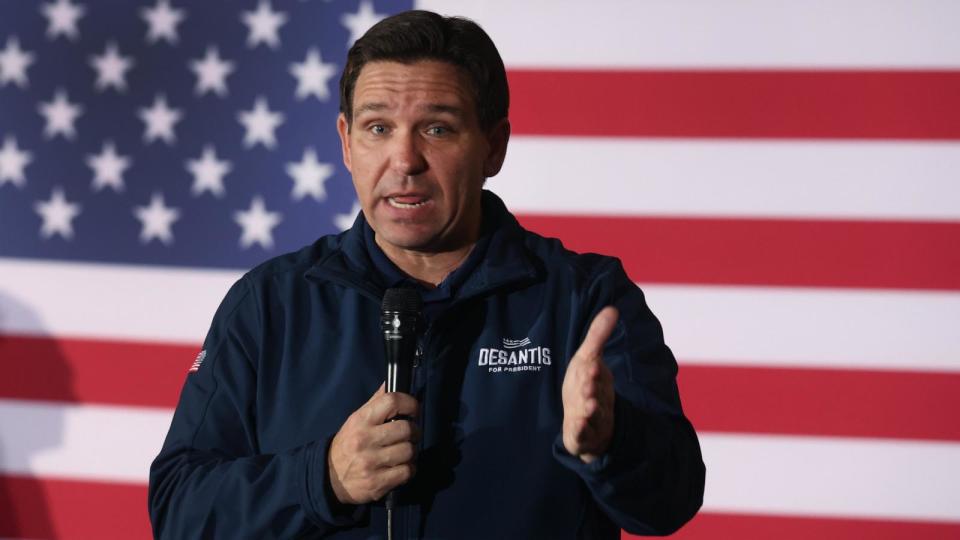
(599, 332)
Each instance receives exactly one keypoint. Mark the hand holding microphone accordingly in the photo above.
(371, 454)
(368, 457)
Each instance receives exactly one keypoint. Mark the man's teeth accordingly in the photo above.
(397, 204)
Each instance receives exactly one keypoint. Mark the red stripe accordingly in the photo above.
(821, 253)
(713, 526)
(768, 104)
(67, 509)
(831, 402)
(92, 371)
(835, 402)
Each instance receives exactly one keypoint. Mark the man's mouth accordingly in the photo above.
(407, 201)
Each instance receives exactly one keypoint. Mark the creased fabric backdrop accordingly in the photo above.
(782, 179)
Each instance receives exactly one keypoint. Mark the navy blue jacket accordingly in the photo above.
(295, 348)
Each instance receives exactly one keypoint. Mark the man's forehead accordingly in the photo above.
(429, 84)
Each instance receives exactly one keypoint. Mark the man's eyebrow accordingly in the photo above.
(370, 107)
(449, 109)
(376, 106)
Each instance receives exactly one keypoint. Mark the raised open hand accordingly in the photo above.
(588, 392)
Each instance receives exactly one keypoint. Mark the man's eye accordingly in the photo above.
(378, 129)
(438, 131)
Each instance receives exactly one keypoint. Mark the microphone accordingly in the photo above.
(399, 322)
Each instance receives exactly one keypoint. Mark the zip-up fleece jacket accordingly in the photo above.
(295, 348)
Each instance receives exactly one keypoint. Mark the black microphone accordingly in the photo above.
(400, 321)
(400, 315)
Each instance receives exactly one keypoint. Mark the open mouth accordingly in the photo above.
(406, 202)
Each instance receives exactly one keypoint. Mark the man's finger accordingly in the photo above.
(588, 391)
(590, 407)
(394, 432)
(599, 332)
(398, 454)
(589, 386)
(399, 474)
(584, 433)
(381, 390)
(390, 405)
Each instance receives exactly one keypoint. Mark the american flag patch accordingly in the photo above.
(196, 363)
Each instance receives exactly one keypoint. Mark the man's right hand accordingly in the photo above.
(368, 457)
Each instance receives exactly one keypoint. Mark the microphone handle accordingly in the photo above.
(401, 350)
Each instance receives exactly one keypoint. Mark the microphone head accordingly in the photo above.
(403, 300)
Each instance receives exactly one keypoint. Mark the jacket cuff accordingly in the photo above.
(620, 449)
(319, 500)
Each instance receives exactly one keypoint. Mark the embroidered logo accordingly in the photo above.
(515, 343)
(516, 356)
(198, 361)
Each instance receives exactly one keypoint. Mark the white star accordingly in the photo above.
(111, 68)
(12, 162)
(156, 220)
(62, 18)
(208, 173)
(60, 115)
(108, 167)
(264, 25)
(159, 120)
(14, 63)
(309, 176)
(260, 123)
(163, 21)
(345, 221)
(57, 215)
(257, 224)
(211, 73)
(313, 76)
(358, 23)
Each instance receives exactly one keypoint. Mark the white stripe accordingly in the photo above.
(885, 329)
(868, 180)
(745, 473)
(867, 478)
(109, 301)
(92, 442)
(737, 33)
(843, 328)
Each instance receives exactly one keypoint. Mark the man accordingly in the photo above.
(544, 404)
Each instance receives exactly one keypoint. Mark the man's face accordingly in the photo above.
(418, 155)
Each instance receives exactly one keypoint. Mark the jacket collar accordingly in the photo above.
(507, 260)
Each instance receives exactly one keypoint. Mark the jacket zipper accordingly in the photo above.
(418, 365)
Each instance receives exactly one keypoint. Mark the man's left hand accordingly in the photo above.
(588, 392)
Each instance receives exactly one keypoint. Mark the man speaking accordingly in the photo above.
(542, 399)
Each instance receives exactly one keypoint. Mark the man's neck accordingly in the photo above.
(428, 268)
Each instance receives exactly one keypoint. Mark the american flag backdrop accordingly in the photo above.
(781, 178)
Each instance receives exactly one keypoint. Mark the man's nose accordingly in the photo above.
(407, 155)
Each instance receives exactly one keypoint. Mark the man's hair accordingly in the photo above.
(423, 35)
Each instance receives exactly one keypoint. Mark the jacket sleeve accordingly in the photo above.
(651, 479)
(210, 479)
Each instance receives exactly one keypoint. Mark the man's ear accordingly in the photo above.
(497, 139)
(343, 129)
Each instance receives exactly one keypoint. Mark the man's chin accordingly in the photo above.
(408, 240)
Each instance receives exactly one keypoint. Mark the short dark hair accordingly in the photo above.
(423, 35)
